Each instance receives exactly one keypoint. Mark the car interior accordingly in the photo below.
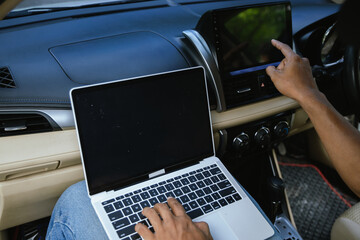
(265, 139)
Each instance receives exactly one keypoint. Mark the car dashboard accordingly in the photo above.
(44, 55)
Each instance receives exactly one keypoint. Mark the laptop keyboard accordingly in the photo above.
(201, 191)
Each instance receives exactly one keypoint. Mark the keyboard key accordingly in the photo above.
(192, 172)
(207, 208)
(127, 211)
(192, 179)
(136, 208)
(129, 194)
(216, 196)
(206, 173)
(206, 168)
(146, 188)
(192, 196)
(215, 179)
(227, 191)
(237, 197)
(170, 194)
(154, 185)
(185, 175)
(169, 187)
(200, 193)
(151, 229)
(109, 208)
(200, 184)
(134, 218)
(137, 191)
(118, 205)
(170, 180)
(145, 195)
(141, 216)
(224, 184)
(177, 184)
(126, 231)
(185, 189)
(145, 204)
(162, 183)
(214, 187)
(161, 189)
(193, 204)
(120, 197)
(177, 178)
(201, 201)
(229, 199)
(135, 237)
(121, 223)
(223, 202)
(215, 171)
(145, 223)
(184, 199)
(127, 202)
(186, 207)
(127, 238)
(199, 176)
(208, 199)
(213, 165)
(199, 170)
(215, 205)
(195, 213)
(178, 192)
(162, 198)
(208, 182)
(115, 215)
(207, 190)
(153, 201)
(193, 187)
(136, 198)
(185, 181)
(108, 202)
(153, 192)
(221, 176)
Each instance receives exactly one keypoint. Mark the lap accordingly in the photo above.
(73, 216)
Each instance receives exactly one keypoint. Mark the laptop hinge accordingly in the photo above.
(100, 196)
(157, 173)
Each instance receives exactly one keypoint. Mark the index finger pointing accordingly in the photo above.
(284, 48)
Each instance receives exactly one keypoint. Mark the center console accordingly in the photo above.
(234, 46)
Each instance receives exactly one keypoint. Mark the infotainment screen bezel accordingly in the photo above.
(217, 28)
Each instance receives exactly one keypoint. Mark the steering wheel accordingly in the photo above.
(351, 77)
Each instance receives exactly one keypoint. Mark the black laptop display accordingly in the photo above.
(125, 127)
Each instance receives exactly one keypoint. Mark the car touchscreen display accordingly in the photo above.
(244, 34)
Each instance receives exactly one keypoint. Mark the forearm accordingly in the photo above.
(340, 138)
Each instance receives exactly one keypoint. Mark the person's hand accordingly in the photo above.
(172, 225)
(293, 76)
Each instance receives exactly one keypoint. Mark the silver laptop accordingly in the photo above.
(147, 138)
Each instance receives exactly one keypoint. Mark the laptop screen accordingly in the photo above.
(128, 129)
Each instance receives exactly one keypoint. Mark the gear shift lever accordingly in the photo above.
(275, 194)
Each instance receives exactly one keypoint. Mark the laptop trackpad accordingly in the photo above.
(219, 228)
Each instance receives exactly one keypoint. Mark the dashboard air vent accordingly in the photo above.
(6, 79)
(15, 124)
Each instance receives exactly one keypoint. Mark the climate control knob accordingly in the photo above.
(281, 129)
(241, 142)
(262, 136)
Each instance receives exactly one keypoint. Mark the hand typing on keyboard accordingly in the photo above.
(172, 224)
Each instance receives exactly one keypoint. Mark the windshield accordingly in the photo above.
(30, 4)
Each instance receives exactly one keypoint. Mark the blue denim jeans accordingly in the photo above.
(73, 216)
